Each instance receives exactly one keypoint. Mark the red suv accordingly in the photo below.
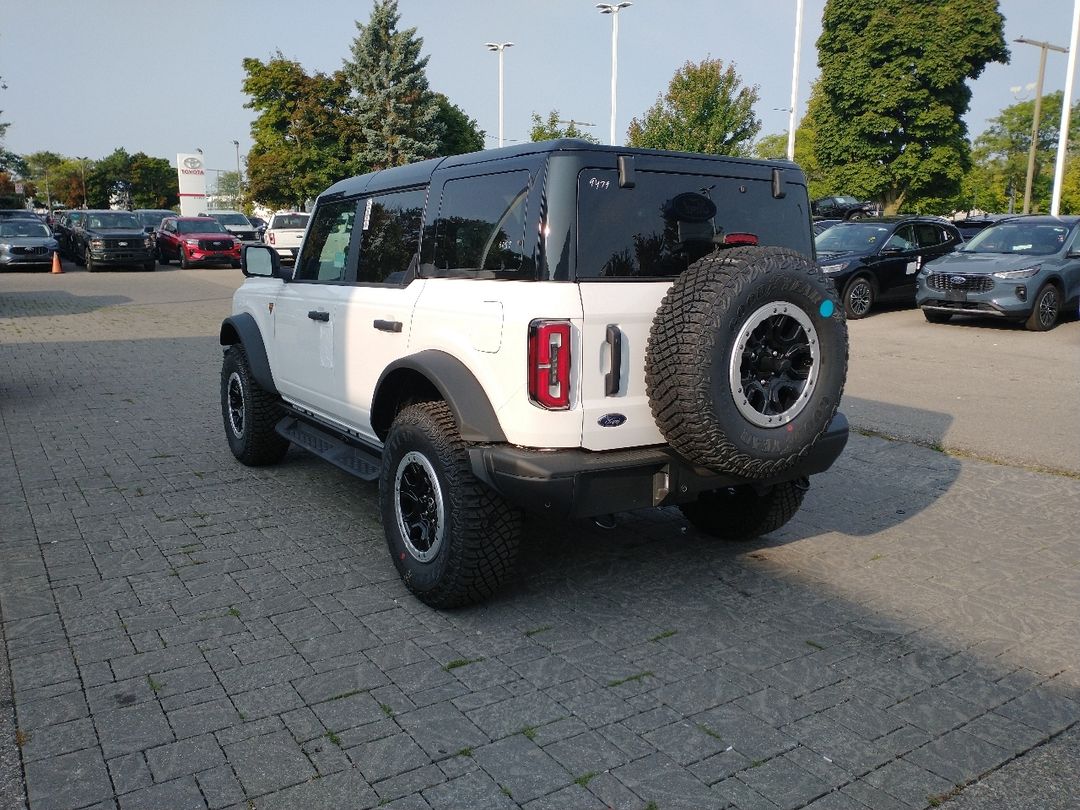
(196, 240)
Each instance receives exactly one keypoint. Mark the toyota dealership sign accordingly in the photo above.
(192, 176)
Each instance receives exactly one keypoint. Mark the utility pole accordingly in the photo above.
(613, 9)
(1044, 47)
(795, 81)
(500, 48)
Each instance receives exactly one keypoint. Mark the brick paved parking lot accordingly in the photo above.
(184, 632)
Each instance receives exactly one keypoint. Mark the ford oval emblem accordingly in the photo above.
(611, 420)
(959, 281)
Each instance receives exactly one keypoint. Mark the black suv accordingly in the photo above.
(107, 237)
(876, 259)
(841, 207)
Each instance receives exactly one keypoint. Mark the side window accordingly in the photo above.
(391, 236)
(325, 253)
(930, 235)
(903, 239)
(480, 232)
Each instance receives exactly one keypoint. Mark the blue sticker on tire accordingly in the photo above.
(826, 308)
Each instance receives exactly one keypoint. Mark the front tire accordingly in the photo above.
(250, 413)
(858, 298)
(88, 260)
(1044, 312)
(184, 263)
(161, 257)
(741, 513)
(452, 539)
(936, 316)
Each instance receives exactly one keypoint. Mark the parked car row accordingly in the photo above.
(1021, 268)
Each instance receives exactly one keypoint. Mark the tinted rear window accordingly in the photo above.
(668, 221)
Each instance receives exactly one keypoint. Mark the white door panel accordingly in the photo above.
(629, 306)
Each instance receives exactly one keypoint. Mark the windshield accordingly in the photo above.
(18, 228)
(1027, 238)
(152, 218)
(110, 219)
(296, 221)
(845, 237)
(233, 219)
(202, 225)
(846, 200)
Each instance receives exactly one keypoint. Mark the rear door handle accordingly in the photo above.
(316, 315)
(613, 379)
(387, 326)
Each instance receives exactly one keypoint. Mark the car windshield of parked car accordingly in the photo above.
(843, 200)
(289, 221)
(233, 219)
(152, 218)
(19, 229)
(204, 225)
(848, 236)
(1028, 238)
(110, 219)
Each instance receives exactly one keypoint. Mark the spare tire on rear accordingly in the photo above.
(746, 360)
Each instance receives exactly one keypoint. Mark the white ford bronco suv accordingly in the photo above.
(557, 329)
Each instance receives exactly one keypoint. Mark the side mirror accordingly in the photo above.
(262, 262)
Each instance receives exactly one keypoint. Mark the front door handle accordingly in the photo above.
(387, 326)
(316, 315)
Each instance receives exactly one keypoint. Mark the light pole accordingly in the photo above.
(500, 47)
(82, 171)
(795, 81)
(613, 9)
(1044, 47)
(1066, 109)
(239, 186)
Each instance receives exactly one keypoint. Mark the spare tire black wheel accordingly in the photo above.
(746, 360)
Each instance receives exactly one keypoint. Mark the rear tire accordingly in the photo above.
(1045, 310)
(740, 513)
(452, 539)
(250, 413)
(936, 316)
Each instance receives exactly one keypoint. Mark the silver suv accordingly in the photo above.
(558, 328)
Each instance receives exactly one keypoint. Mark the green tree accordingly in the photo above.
(771, 147)
(893, 90)
(1000, 155)
(304, 135)
(396, 111)
(706, 109)
(108, 181)
(460, 134)
(154, 183)
(1070, 186)
(551, 129)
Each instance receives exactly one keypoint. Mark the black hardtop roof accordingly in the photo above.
(892, 220)
(420, 172)
(1046, 219)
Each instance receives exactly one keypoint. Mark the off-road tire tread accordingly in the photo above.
(768, 513)
(263, 445)
(483, 530)
(681, 343)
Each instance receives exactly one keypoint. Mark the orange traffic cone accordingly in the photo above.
(56, 268)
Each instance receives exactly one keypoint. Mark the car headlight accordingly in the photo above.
(148, 241)
(97, 243)
(833, 268)
(192, 242)
(4, 247)
(1027, 272)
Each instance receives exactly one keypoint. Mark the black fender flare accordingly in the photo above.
(244, 330)
(457, 386)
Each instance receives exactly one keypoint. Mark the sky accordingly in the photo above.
(85, 77)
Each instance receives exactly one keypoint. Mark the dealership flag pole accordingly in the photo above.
(1066, 109)
(795, 81)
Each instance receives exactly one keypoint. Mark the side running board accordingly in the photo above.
(358, 461)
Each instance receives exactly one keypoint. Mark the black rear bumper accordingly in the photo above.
(579, 483)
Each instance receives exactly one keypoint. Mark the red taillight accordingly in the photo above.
(741, 239)
(549, 364)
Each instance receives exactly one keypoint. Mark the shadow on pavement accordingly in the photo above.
(38, 303)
